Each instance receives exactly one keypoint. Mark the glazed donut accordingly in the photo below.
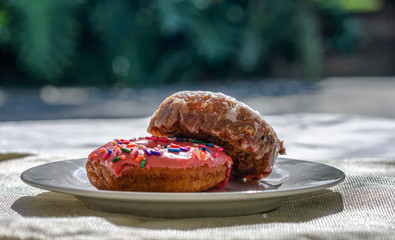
(214, 117)
(153, 164)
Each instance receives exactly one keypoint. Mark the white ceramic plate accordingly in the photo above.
(289, 177)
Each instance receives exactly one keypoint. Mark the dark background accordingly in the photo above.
(83, 58)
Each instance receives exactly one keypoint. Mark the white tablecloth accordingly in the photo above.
(363, 206)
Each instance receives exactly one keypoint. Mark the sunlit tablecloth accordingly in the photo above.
(363, 206)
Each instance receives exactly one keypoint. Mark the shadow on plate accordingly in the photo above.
(300, 208)
(50, 204)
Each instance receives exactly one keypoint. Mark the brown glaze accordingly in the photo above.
(221, 119)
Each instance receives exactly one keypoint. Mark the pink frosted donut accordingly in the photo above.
(153, 164)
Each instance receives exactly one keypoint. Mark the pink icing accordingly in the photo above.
(192, 157)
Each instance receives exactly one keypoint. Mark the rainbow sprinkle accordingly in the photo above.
(174, 145)
(148, 152)
(125, 150)
(142, 164)
(196, 152)
(163, 139)
(184, 149)
(125, 141)
(116, 159)
(202, 157)
(173, 149)
(157, 153)
(152, 138)
(139, 158)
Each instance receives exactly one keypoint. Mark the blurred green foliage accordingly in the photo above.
(133, 43)
(355, 5)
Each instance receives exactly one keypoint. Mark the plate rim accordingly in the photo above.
(171, 197)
